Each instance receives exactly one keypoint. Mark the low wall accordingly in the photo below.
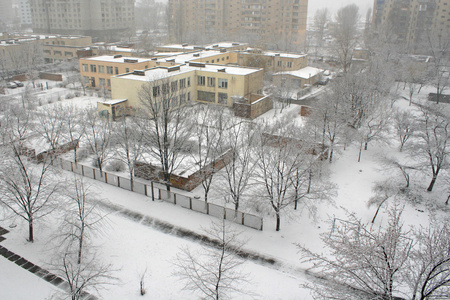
(50, 76)
(156, 193)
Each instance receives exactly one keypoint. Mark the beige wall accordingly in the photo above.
(238, 85)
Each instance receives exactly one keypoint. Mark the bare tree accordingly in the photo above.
(98, 136)
(51, 125)
(434, 134)
(28, 188)
(129, 136)
(164, 104)
(345, 32)
(239, 138)
(438, 46)
(214, 272)
(321, 18)
(74, 127)
(405, 125)
(428, 272)
(209, 135)
(364, 262)
(81, 218)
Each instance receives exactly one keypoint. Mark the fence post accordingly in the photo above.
(190, 203)
(118, 181)
(153, 191)
(174, 198)
(145, 190)
(207, 208)
(93, 173)
(71, 166)
(82, 170)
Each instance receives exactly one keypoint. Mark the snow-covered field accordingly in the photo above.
(132, 247)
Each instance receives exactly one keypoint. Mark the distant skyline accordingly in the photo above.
(334, 5)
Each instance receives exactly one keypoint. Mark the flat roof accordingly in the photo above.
(110, 58)
(184, 57)
(209, 46)
(304, 73)
(163, 72)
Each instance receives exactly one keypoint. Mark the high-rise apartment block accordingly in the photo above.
(25, 12)
(103, 19)
(274, 23)
(413, 21)
(6, 12)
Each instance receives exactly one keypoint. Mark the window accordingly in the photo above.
(189, 81)
(156, 91)
(206, 96)
(85, 68)
(223, 83)
(174, 102)
(201, 80)
(165, 88)
(93, 68)
(86, 79)
(109, 69)
(183, 83)
(101, 81)
(211, 81)
(182, 99)
(127, 70)
(108, 82)
(189, 96)
(223, 98)
(117, 70)
(174, 86)
(101, 69)
(289, 64)
(67, 53)
(280, 63)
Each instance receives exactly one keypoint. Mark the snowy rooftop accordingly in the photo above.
(211, 46)
(163, 72)
(182, 58)
(281, 54)
(304, 73)
(110, 58)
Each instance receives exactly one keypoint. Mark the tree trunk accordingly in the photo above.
(433, 181)
(448, 199)
(278, 222)
(366, 144)
(30, 230)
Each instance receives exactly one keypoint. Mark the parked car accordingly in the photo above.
(327, 73)
(18, 83)
(11, 85)
(324, 81)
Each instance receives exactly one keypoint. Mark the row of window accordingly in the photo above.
(101, 69)
(211, 82)
(165, 88)
(222, 98)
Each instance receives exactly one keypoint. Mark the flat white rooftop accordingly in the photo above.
(110, 58)
(163, 72)
(304, 73)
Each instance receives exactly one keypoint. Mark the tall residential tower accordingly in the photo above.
(274, 23)
(102, 19)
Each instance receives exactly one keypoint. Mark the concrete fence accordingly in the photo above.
(160, 193)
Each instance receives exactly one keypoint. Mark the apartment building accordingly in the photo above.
(104, 20)
(413, 21)
(97, 71)
(25, 13)
(6, 12)
(279, 24)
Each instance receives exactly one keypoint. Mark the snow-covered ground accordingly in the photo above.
(132, 247)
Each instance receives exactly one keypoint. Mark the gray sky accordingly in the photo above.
(334, 5)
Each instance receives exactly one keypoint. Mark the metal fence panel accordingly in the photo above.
(100, 176)
(216, 211)
(112, 180)
(88, 172)
(184, 201)
(77, 168)
(233, 215)
(199, 206)
(125, 183)
(139, 188)
(253, 221)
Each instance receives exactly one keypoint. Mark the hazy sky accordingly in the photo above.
(334, 5)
